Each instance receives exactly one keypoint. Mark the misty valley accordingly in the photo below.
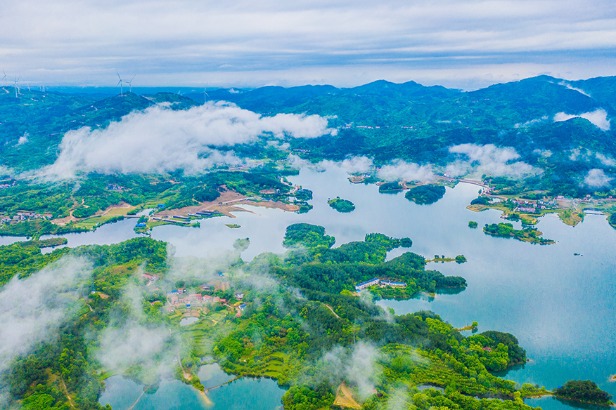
(389, 246)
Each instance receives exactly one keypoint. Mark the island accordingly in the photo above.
(473, 224)
(425, 194)
(506, 230)
(341, 205)
(390, 187)
(443, 259)
(583, 391)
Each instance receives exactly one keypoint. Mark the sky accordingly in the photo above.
(464, 44)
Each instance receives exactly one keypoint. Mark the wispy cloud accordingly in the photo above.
(32, 309)
(406, 171)
(488, 159)
(23, 139)
(596, 178)
(569, 86)
(597, 117)
(358, 366)
(160, 139)
(131, 344)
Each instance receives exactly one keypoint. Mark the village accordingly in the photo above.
(23, 216)
(191, 301)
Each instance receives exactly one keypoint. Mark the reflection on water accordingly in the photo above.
(242, 394)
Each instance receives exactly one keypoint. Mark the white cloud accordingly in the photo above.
(6, 171)
(490, 160)
(23, 139)
(130, 343)
(531, 123)
(358, 366)
(351, 165)
(589, 156)
(357, 165)
(570, 87)
(406, 171)
(152, 348)
(160, 139)
(32, 309)
(605, 160)
(254, 43)
(597, 117)
(596, 178)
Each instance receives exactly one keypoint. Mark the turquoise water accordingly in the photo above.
(242, 394)
(560, 306)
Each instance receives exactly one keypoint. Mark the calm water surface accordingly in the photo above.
(241, 394)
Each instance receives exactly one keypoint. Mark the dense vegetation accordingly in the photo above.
(506, 230)
(24, 258)
(310, 236)
(390, 187)
(425, 194)
(62, 372)
(341, 205)
(584, 391)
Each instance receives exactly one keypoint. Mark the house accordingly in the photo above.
(239, 296)
(393, 284)
(150, 278)
(367, 284)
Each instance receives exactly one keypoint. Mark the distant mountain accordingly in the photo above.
(545, 119)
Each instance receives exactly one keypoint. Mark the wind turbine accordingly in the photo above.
(16, 87)
(130, 84)
(120, 83)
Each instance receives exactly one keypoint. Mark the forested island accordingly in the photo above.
(341, 205)
(506, 230)
(583, 391)
(425, 194)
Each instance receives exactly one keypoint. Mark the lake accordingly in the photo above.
(560, 306)
(241, 394)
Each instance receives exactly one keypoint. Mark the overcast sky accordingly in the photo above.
(460, 43)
